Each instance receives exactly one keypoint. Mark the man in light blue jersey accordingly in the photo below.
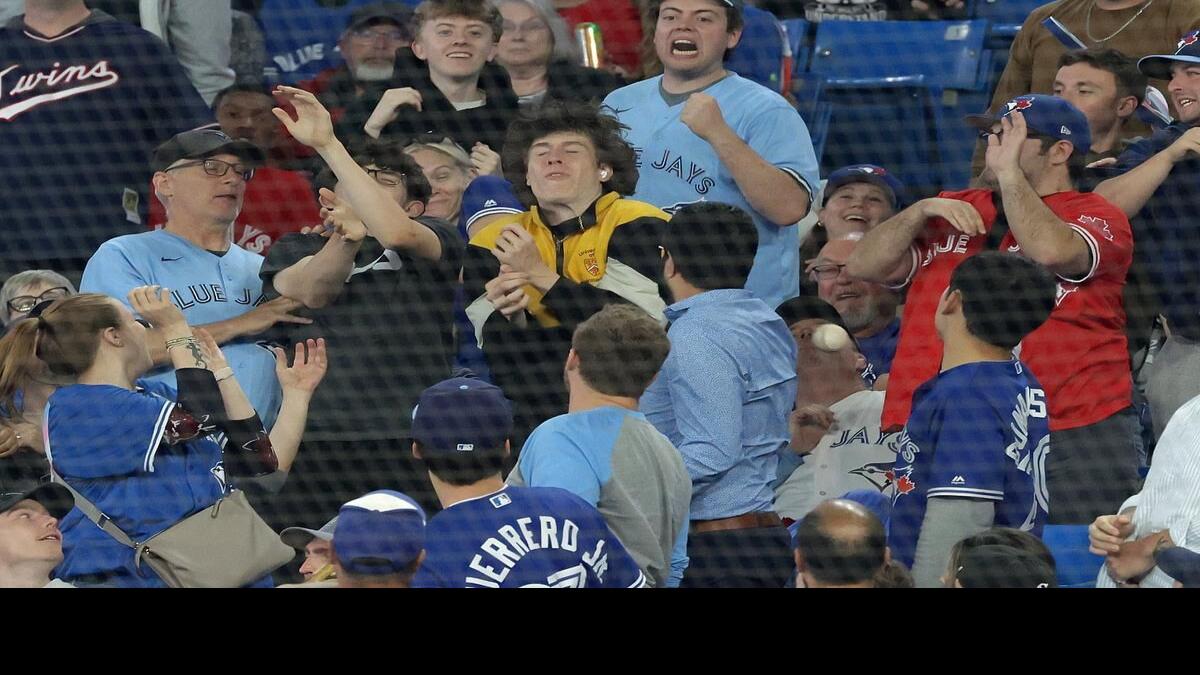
(605, 451)
(200, 177)
(702, 133)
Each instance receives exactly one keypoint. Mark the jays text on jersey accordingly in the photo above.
(677, 167)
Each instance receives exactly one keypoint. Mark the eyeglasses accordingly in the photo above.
(218, 168)
(387, 177)
(25, 303)
(368, 35)
(827, 271)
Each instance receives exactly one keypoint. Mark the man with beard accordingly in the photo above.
(1034, 158)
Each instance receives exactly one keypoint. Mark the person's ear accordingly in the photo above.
(668, 267)
(572, 360)
(606, 173)
(418, 49)
(493, 51)
(163, 184)
(414, 209)
(416, 451)
(507, 447)
(1127, 106)
(951, 302)
(113, 337)
(860, 362)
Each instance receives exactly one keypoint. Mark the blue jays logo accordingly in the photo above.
(1018, 104)
(872, 170)
(879, 474)
(1187, 40)
(903, 480)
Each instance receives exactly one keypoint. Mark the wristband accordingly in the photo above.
(223, 374)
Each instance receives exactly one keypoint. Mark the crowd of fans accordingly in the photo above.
(498, 317)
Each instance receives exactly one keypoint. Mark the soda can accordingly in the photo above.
(591, 44)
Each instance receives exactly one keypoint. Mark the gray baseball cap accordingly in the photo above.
(299, 537)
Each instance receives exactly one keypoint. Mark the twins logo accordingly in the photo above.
(1187, 40)
(47, 86)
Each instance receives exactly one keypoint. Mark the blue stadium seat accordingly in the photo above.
(1077, 567)
(1006, 16)
(899, 90)
(762, 53)
(808, 93)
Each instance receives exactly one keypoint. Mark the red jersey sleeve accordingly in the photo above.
(1106, 231)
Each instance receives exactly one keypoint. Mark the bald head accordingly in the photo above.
(840, 543)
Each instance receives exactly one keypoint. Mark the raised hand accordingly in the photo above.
(386, 110)
(307, 369)
(961, 215)
(312, 126)
(340, 217)
(153, 303)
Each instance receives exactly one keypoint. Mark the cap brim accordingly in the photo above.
(57, 499)
(982, 122)
(299, 537)
(1158, 66)
(831, 187)
(249, 153)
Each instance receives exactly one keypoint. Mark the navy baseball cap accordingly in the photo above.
(201, 143)
(381, 532)
(462, 414)
(299, 537)
(1158, 66)
(1181, 565)
(381, 12)
(999, 566)
(1046, 115)
(57, 499)
(865, 173)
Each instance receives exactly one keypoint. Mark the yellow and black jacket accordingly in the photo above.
(608, 254)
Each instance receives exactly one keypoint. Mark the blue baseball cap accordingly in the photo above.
(1181, 565)
(462, 414)
(1158, 66)
(488, 196)
(1046, 115)
(865, 173)
(381, 532)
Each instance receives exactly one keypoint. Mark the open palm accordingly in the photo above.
(312, 126)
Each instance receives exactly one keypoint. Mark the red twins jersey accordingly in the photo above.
(277, 202)
(1079, 355)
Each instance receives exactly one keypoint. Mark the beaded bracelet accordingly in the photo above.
(181, 341)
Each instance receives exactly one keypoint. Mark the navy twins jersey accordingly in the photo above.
(80, 115)
(977, 431)
(524, 538)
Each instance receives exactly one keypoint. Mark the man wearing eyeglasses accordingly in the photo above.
(200, 177)
(379, 282)
(1035, 156)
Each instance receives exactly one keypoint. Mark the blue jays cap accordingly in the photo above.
(488, 196)
(56, 499)
(1158, 66)
(865, 173)
(1045, 115)
(381, 532)
(1181, 565)
(462, 414)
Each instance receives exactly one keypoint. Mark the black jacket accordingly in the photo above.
(569, 82)
(487, 124)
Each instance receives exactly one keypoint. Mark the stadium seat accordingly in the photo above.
(799, 37)
(763, 54)
(1077, 567)
(807, 92)
(899, 90)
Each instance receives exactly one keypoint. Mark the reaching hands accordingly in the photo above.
(307, 369)
(312, 126)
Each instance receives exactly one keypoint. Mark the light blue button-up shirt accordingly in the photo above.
(723, 398)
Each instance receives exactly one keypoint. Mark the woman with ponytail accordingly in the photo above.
(145, 455)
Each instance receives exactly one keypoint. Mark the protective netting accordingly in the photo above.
(431, 212)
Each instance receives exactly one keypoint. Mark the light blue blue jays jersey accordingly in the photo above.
(207, 287)
(521, 537)
(677, 167)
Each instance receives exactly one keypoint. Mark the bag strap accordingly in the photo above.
(94, 514)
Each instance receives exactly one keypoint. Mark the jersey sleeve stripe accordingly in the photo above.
(494, 211)
(1095, 250)
(916, 262)
(970, 493)
(640, 582)
(160, 428)
(799, 179)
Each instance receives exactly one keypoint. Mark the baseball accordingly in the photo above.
(830, 338)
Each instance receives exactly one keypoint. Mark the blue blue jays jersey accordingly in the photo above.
(677, 167)
(118, 460)
(207, 287)
(524, 538)
(80, 115)
(977, 431)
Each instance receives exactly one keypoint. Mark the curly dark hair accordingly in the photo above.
(602, 129)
